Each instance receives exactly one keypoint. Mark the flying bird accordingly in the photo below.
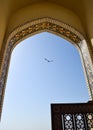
(48, 60)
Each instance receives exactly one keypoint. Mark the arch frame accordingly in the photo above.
(51, 25)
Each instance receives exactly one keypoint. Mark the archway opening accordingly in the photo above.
(48, 70)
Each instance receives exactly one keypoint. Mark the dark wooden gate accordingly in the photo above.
(72, 116)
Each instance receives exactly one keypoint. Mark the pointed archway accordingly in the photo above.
(50, 25)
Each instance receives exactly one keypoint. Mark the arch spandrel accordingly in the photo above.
(41, 25)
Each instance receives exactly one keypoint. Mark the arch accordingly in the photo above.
(41, 25)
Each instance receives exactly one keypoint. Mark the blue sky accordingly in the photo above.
(33, 83)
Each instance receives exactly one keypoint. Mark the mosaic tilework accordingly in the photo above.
(28, 29)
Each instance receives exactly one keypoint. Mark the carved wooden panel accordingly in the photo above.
(72, 116)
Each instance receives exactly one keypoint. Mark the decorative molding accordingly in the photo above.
(88, 66)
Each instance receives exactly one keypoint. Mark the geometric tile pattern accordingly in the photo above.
(42, 25)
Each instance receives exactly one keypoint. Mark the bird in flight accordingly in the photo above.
(48, 60)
